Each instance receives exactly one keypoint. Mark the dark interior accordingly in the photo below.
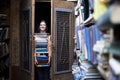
(43, 12)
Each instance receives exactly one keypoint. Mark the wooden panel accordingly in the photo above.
(63, 5)
(62, 30)
(14, 30)
(14, 39)
(27, 30)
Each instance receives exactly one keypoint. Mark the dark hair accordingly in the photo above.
(43, 21)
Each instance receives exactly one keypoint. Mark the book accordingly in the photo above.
(115, 65)
(41, 50)
(92, 73)
(82, 59)
(42, 61)
(103, 60)
(88, 70)
(92, 77)
(88, 65)
(3, 49)
(3, 34)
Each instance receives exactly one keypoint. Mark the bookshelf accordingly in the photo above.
(4, 41)
(107, 48)
(111, 37)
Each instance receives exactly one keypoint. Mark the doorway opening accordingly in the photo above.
(42, 12)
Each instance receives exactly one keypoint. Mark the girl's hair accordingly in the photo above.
(43, 21)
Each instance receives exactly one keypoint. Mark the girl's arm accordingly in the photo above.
(49, 48)
(34, 50)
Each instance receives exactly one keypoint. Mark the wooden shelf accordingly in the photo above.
(4, 26)
(6, 40)
(4, 55)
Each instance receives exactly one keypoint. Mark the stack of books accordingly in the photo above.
(101, 47)
(90, 70)
(42, 54)
(41, 50)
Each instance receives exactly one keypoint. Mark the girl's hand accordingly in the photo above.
(49, 60)
(36, 62)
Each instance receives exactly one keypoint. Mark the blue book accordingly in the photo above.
(42, 57)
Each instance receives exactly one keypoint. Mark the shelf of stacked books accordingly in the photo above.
(109, 53)
(108, 56)
(102, 49)
(109, 25)
(4, 42)
(88, 70)
(114, 51)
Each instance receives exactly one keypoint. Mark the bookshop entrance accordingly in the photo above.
(59, 17)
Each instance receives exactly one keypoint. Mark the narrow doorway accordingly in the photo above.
(42, 12)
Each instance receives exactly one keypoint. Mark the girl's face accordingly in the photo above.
(42, 26)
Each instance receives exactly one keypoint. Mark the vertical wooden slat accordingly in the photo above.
(14, 39)
(33, 22)
(52, 35)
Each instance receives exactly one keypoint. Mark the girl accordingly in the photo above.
(42, 53)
